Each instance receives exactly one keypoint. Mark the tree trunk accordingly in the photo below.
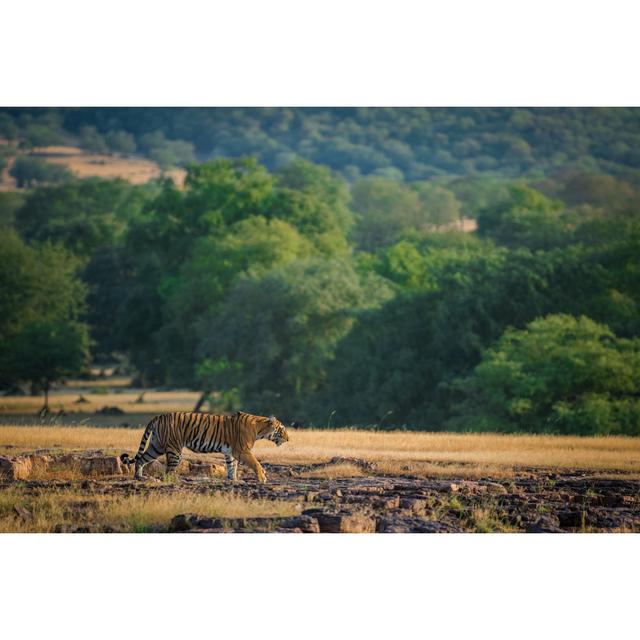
(45, 410)
(201, 400)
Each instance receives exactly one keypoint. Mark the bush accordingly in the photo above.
(121, 142)
(92, 141)
(29, 171)
(561, 374)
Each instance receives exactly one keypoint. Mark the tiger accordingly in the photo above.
(233, 435)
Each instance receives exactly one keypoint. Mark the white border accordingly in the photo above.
(334, 52)
(287, 586)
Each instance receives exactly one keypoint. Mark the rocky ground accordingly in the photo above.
(534, 501)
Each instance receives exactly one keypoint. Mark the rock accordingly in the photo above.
(105, 465)
(392, 502)
(416, 506)
(545, 524)
(570, 519)
(495, 487)
(310, 496)
(183, 522)
(110, 411)
(346, 523)
(357, 462)
(154, 469)
(17, 468)
(206, 469)
(394, 524)
(305, 524)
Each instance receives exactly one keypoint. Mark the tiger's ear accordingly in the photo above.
(272, 419)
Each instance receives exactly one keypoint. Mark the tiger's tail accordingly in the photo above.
(125, 459)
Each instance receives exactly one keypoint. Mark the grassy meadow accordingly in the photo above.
(422, 453)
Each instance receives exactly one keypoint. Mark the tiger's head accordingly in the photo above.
(276, 431)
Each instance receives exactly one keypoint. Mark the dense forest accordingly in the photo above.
(313, 264)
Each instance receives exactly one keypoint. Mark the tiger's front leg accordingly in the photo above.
(251, 461)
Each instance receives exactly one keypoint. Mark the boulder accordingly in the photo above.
(545, 524)
(206, 469)
(104, 465)
(304, 524)
(17, 468)
(344, 522)
(416, 506)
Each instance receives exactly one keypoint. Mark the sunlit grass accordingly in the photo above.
(124, 513)
(331, 471)
(426, 453)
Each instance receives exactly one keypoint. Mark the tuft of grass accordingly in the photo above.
(134, 513)
(487, 520)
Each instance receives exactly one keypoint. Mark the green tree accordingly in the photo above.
(83, 214)
(384, 209)
(315, 201)
(44, 352)
(559, 374)
(282, 329)
(121, 142)
(40, 295)
(92, 140)
(526, 218)
(29, 171)
(441, 207)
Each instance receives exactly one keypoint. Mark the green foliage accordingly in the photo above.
(419, 143)
(525, 219)
(10, 203)
(284, 288)
(440, 205)
(121, 142)
(83, 215)
(167, 153)
(282, 328)
(41, 299)
(43, 352)
(560, 374)
(92, 140)
(8, 127)
(29, 171)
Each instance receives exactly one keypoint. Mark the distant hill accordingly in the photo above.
(415, 143)
(409, 143)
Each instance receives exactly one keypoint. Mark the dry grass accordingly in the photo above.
(86, 165)
(153, 401)
(333, 471)
(428, 453)
(482, 450)
(471, 471)
(82, 164)
(133, 513)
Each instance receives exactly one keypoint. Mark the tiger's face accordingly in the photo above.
(278, 433)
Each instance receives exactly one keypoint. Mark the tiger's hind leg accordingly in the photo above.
(232, 466)
(151, 454)
(251, 461)
(173, 460)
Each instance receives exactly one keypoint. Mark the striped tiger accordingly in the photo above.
(232, 435)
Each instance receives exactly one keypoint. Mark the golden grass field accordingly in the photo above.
(125, 399)
(471, 455)
(82, 164)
